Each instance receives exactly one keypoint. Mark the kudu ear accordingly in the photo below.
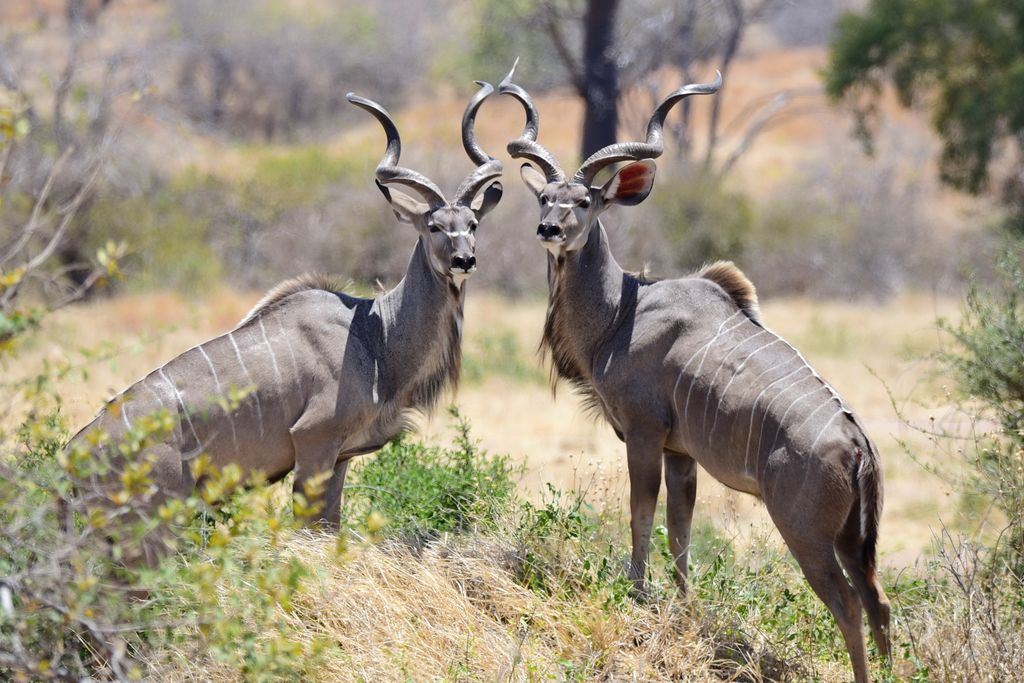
(486, 200)
(534, 179)
(631, 184)
(406, 208)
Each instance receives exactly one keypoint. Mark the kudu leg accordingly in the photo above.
(823, 573)
(335, 494)
(681, 483)
(860, 568)
(644, 456)
(316, 461)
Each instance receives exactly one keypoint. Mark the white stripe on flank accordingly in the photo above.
(376, 381)
(124, 414)
(288, 343)
(831, 390)
(159, 398)
(714, 378)
(782, 420)
(220, 392)
(808, 418)
(704, 348)
(721, 397)
(753, 410)
(181, 404)
(255, 394)
(814, 443)
(273, 358)
(273, 361)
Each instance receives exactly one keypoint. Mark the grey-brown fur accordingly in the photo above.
(331, 375)
(686, 373)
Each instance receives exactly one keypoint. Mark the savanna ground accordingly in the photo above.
(462, 607)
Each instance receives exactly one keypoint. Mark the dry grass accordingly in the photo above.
(469, 618)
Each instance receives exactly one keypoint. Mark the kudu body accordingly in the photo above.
(686, 373)
(331, 375)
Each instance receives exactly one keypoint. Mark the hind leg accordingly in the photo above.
(681, 483)
(821, 569)
(810, 506)
(861, 569)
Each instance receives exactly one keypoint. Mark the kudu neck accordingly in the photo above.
(585, 299)
(593, 280)
(421, 321)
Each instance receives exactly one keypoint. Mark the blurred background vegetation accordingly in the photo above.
(213, 141)
(163, 161)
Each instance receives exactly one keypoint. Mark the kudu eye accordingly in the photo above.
(546, 200)
(433, 227)
(473, 225)
(585, 203)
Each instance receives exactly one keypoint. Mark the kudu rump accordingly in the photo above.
(331, 375)
(686, 373)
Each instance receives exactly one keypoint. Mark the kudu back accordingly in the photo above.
(685, 372)
(330, 375)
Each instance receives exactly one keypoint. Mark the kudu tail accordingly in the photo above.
(865, 562)
(869, 480)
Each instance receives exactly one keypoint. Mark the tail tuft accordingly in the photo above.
(726, 275)
(869, 479)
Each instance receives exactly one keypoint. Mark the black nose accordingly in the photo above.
(548, 230)
(464, 262)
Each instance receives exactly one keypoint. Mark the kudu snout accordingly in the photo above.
(465, 262)
(549, 231)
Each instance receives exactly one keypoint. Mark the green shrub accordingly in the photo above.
(423, 491)
(988, 362)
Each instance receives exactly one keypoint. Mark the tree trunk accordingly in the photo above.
(600, 77)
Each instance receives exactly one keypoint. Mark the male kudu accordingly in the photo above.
(686, 373)
(332, 375)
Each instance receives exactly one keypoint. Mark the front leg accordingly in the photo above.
(318, 474)
(331, 517)
(681, 482)
(643, 456)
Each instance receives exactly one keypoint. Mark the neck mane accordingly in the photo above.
(588, 295)
(421, 335)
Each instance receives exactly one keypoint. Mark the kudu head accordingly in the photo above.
(447, 229)
(569, 207)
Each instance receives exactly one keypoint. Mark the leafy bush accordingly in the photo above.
(85, 590)
(423, 491)
(988, 361)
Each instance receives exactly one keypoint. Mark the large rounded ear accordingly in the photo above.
(631, 184)
(486, 200)
(534, 179)
(407, 209)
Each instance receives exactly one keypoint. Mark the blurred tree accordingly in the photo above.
(599, 85)
(263, 68)
(604, 47)
(966, 59)
(56, 134)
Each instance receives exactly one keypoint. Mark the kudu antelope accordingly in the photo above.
(333, 375)
(685, 372)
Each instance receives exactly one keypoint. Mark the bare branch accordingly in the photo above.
(770, 116)
(552, 24)
(9, 252)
